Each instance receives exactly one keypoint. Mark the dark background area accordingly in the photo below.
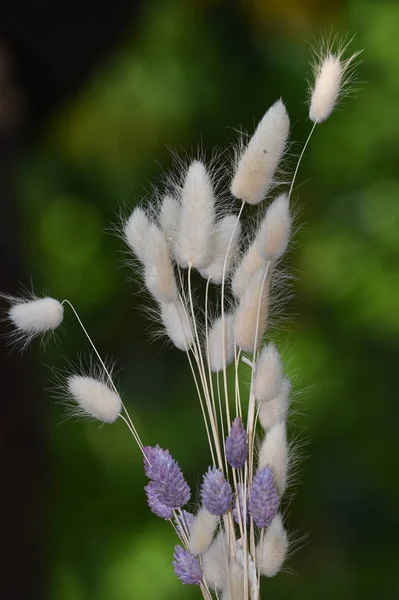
(91, 101)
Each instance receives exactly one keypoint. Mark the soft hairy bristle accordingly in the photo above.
(274, 454)
(95, 398)
(33, 317)
(234, 588)
(202, 530)
(251, 316)
(226, 236)
(178, 325)
(169, 216)
(197, 216)
(215, 562)
(257, 165)
(268, 374)
(159, 274)
(331, 73)
(275, 410)
(135, 232)
(221, 343)
(275, 229)
(251, 262)
(272, 549)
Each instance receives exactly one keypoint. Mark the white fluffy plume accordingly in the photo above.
(331, 73)
(35, 316)
(274, 453)
(221, 343)
(197, 216)
(94, 398)
(275, 229)
(251, 262)
(257, 165)
(276, 409)
(202, 530)
(226, 236)
(251, 315)
(178, 324)
(272, 550)
(169, 220)
(268, 374)
(135, 232)
(215, 562)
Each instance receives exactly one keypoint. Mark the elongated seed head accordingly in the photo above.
(274, 454)
(275, 410)
(252, 312)
(94, 398)
(272, 550)
(178, 324)
(202, 530)
(34, 317)
(226, 237)
(274, 232)
(268, 374)
(221, 343)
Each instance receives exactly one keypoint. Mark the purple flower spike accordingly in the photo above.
(264, 500)
(187, 567)
(216, 492)
(159, 509)
(168, 481)
(237, 445)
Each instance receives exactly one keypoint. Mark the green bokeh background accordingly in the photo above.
(190, 73)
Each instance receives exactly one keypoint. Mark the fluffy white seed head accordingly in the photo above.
(268, 374)
(271, 552)
(34, 317)
(178, 325)
(226, 236)
(275, 410)
(94, 398)
(221, 343)
(257, 165)
(274, 453)
(169, 215)
(251, 315)
(249, 265)
(234, 588)
(275, 229)
(215, 562)
(202, 530)
(331, 73)
(159, 275)
(135, 232)
(197, 216)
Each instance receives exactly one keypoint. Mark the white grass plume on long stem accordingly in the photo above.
(188, 230)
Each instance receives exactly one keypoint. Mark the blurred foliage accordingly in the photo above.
(186, 71)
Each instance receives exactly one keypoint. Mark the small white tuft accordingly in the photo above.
(218, 337)
(169, 220)
(159, 275)
(135, 232)
(178, 325)
(274, 453)
(331, 73)
(34, 317)
(271, 551)
(257, 165)
(249, 265)
(202, 530)
(197, 216)
(275, 410)
(251, 315)
(94, 397)
(223, 233)
(215, 562)
(275, 229)
(268, 374)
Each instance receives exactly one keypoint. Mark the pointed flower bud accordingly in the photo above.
(216, 492)
(237, 445)
(156, 506)
(264, 500)
(187, 567)
(168, 481)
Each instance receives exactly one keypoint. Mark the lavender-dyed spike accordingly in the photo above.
(264, 500)
(168, 481)
(159, 509)
(187, 567)
(155, 461)
(216, 492)
(183, 523)
(239, 503)
(237, 445)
